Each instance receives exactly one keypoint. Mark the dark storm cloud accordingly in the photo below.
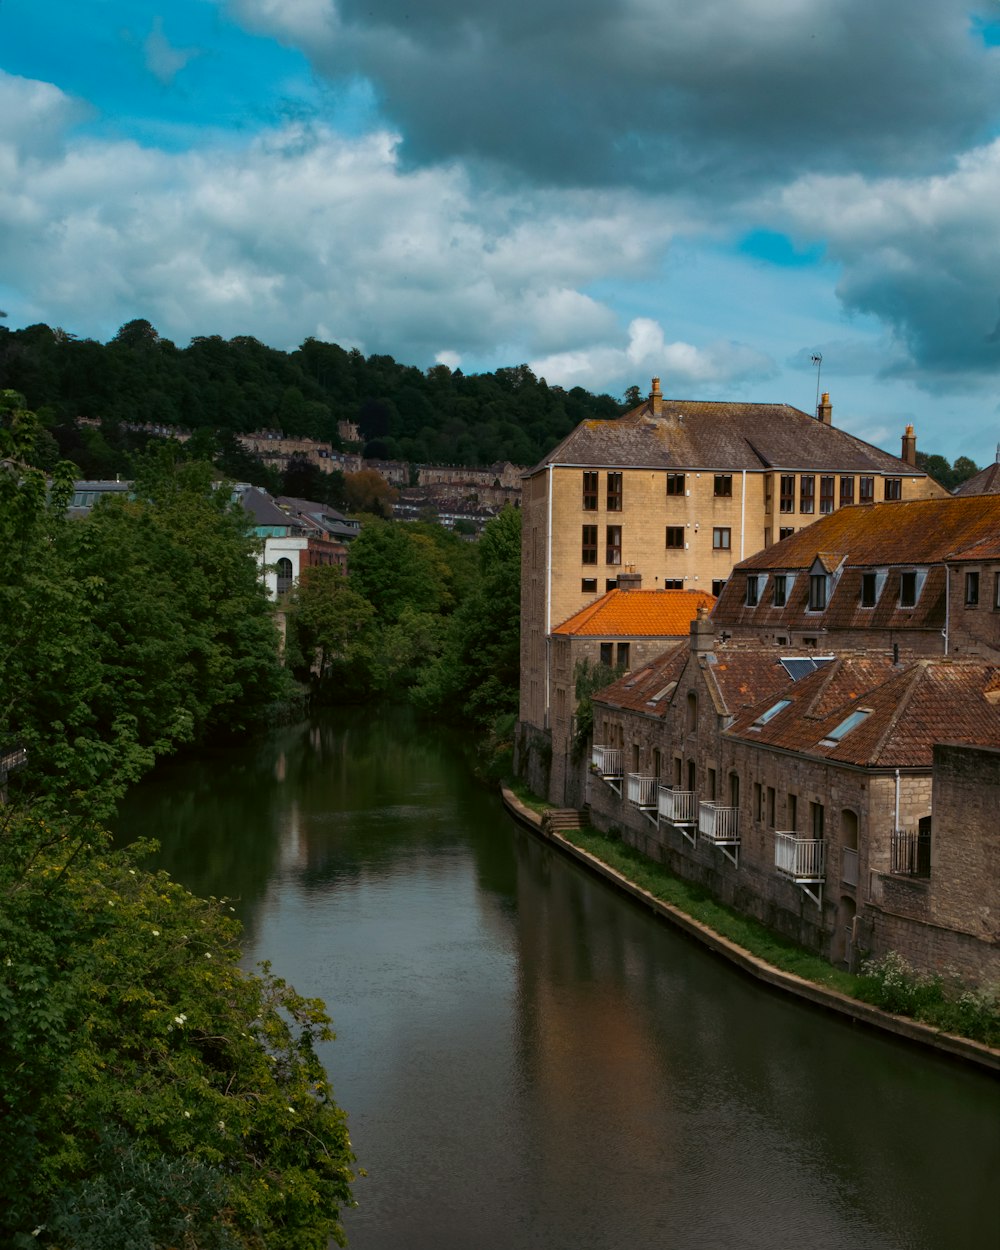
(656, 93)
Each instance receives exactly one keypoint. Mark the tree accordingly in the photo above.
(368, 491)
(332, 631)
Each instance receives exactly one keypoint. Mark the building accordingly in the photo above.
(289, 544)
(681, 491)
(985, 482)
(839, 785)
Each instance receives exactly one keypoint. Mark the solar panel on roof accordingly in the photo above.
(799, 666)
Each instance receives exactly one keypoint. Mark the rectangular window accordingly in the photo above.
(717, 586)
(996, 590)
(614, 492)
(611, 583)
(589, 555)
(588, 586)
(770, 807)
(826, 494)
(711, 785)
(971, 590)
(784, 533)
(675, 483)
(758, 801)
(752, 591)
(623, 654)
(786, 500)
(590, 488)
(816, 820)
(893, 488)
(613, 545)
(846, 491)
(675, 537)
(907, 589)
(673, 583)
(817, 592)
(780, 595)
(793, 812)
(866, 490)
(720, 538)
(723, 485)
(807, 493)
(607, 653)
(869, 588)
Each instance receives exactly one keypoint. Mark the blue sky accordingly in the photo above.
(606, 189)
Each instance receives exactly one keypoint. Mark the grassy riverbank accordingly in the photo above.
(890, 983)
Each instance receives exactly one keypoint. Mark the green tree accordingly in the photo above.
(332, 632)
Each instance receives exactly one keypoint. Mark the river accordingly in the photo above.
(531, 1061)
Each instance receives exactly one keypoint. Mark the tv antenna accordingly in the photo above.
(817, 359)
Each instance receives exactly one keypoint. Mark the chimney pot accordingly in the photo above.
(655, 398)
(909, 448)
(824, 411)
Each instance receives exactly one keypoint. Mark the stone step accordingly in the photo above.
(565, 818)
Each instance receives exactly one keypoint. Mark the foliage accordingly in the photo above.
(148, 1082)
(588, 679)
(947, 475)
(942, 1000)
(233, 386)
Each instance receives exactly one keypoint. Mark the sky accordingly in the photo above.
(714, 193)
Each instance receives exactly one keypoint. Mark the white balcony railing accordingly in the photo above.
(721, 824)
(607, 761)
(802, 859)
(848, 866)
(642, 790)
(680, 807)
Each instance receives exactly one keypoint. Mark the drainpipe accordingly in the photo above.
(947, 606)
(896, 814)
(743, 512)
(548, 592)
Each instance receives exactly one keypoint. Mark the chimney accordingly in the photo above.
(702, 633)
(909, 452)
(630, 579)
(824, 409)
(655, 398)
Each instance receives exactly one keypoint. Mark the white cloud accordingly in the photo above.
(163, 60)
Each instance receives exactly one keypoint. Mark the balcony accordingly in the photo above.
(910, 853)
(641, 793)
(721, 826)
(607, 763)
(680, 808)
(802, 860)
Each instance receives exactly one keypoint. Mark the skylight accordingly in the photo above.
(799, 666)
(846, 725)
(770, 713)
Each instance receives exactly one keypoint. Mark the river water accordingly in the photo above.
(531, 1061)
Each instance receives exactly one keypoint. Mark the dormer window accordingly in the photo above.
(818, 585)
(907, 588)
(782, 589)
(869, 591)
(753, 590)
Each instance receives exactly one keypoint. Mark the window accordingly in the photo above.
(779, 596)
(846, 491)
(588, 586)
(675, 483)
(723, 485)
(590, 492)
(717, 585)
(826, 494)
(866, 490)
(786, 499)
(614, 492)
(771, 713)
(971, 590)
(770, 806)
(678, 767)
(893, 488)
(623, 654)
(607, 653)
(758, 802)
(785, 532)
(692, 714)
(284, 575)
(907, 588)
(817, 592)
(852, 721)
(752, 591)
(720, 539)
(613, 545)
(996, 590)
(589, 554)
(673, 583)
(869, 590)
(610, 583)
(816, 815)
(711, 785)
(675, 537)
(734, 790)
(807, 493)
(792, 810)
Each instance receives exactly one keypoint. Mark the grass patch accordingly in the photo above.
(527, 797)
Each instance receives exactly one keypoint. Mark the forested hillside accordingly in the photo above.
(239, 385)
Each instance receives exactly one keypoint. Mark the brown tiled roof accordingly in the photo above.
(985, 482)
(690, 434)
(918, 531)
(638, 614)
(639, 691)
(908, 711)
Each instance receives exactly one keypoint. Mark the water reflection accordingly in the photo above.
(531, 1061)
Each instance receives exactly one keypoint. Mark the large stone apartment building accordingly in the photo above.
(679, 492)
(824, 752)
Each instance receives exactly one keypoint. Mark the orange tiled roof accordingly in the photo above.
(638, 614)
